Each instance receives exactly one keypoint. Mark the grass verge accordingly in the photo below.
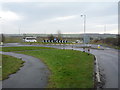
(23, 48)
(69, 68)
(10, 65)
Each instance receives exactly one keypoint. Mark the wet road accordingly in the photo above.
(108, 64)
(34, 74)
(107, 59)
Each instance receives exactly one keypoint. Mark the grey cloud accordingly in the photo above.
(35, 12)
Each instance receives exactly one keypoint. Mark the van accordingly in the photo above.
(30, 39)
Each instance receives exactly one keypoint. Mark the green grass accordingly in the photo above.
(69, 68)
(24, 48)
(10, 65)
(13, 39)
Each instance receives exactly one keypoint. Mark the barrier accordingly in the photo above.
(55, 41)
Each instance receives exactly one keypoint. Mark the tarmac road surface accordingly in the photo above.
(34, 74)
(108, 64)
(107, 59)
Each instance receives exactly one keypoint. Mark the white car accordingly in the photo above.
(30, 39)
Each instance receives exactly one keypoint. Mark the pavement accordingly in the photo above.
(34, 73)
(107, 60)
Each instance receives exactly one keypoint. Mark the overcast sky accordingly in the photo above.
(49, 17)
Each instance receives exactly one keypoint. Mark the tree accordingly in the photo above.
(59, 35)
(91, 38)
(118, 40)
(51, 37)
(24, 35)
(2, 38)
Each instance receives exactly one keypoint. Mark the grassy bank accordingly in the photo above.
(69, 68)
(10, 65)
(24, 48)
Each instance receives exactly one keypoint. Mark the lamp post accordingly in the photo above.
(104, 29)
(19, 27)
(19, 33)
(104, 33)
(84, 16)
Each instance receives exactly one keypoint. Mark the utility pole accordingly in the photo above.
(84, 16)
(19, 27)
(104, 33)
(104, 29)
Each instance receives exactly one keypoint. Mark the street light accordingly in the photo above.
(19, 27)
(104, 34)
(84, 16)
(19, 33)
(104, 29)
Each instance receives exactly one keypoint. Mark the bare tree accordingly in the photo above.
(2, 38)
(51, 37)
(59, 35)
